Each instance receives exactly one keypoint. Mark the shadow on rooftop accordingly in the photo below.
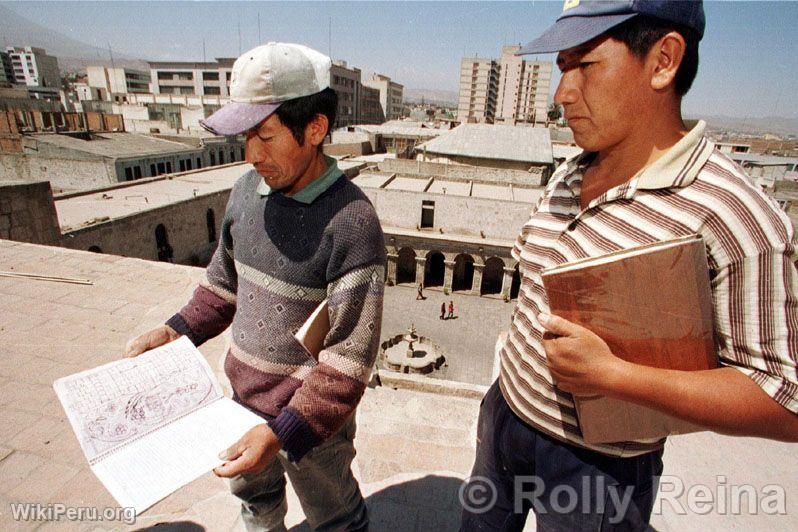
(428, 503)
(176, 526)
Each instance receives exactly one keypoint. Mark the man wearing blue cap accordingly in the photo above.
(643, 176)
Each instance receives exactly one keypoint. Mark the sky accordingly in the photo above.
(748, 57)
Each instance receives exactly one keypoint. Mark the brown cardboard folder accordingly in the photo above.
(652, 305)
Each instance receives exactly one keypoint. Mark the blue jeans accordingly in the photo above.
(518, 468)
(323, 481)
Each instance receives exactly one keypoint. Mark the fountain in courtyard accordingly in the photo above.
(411, 353)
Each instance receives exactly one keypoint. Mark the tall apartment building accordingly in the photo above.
(200, 79)
(479, 82)
(36, 70)
(523, 88)
(6, 71)
(391, 95)
(370, 106)
(112, 84)
(346, 83)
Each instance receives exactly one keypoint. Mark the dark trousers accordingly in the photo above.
(519, 468)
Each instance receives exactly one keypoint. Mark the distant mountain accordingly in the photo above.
(72, 54)
(431, 96)
(777, 125)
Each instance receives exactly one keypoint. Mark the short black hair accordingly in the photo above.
(641, 32)
(296, 114)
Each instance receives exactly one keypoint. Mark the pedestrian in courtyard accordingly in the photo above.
(451, 310)
(420, 292)
(296, 231)
(644, 175)
(443, 310)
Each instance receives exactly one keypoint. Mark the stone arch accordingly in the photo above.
(463, 274)
(434, 269)
(406, 266)
(515, 287)
(492, 276)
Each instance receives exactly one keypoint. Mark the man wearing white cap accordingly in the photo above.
(295, 232)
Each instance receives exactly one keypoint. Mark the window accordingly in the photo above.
(427, 213)
(188, 164)
(165, 251)
(137, 172)
(210, 76)
(213, 158)
(199, 163)
(211, 91)
(152, 170)
(221, 157)
(168, 167)
(182, 165)
(161, 168)
(128, 174)
(210, 220)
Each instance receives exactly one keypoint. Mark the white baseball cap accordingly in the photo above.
(262, 79)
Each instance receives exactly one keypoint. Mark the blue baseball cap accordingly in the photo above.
(584, 20)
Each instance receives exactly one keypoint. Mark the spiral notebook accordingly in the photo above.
(151, 424)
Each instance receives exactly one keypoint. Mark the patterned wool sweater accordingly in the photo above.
(277, 259)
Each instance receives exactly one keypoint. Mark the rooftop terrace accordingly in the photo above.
(413, 447)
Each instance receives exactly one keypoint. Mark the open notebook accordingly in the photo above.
(151, 424)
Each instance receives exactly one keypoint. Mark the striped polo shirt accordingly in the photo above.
(691, 189)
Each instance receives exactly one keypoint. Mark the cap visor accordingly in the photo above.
(235, 117)
(572, 31)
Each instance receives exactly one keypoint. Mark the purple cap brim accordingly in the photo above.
(235, 117)
(572, 31)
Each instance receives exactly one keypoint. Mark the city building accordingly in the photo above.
(191, 78)
(370, 107)
(36, 70)
(451, 227)
(523, 91)
(7, 78)
(493, 146)
(479, 84)
(765, 170)
(346, 83)
(114, 84)
(397, 137)
(391, 95)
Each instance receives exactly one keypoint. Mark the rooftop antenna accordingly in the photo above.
(110, 53)
(259, 41)
(239, 35)
(203, 51)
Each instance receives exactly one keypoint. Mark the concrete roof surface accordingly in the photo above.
(401, 130)
(118, 145)
(413, 447)
(767, 160)
(76, 211)
(491, 141)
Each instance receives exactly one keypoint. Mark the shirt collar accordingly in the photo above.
(677, 167)
(314, 189)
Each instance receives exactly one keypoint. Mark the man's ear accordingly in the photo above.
(665, 56)
(316, 130)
